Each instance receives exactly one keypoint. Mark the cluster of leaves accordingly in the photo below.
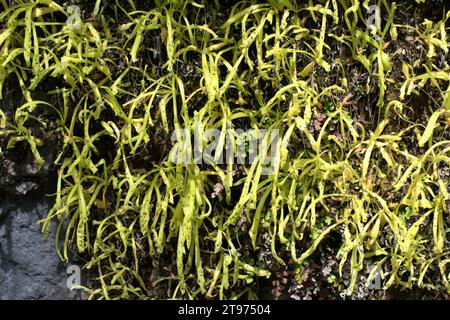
(361, 159)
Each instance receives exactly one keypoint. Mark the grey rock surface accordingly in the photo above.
(29, 265)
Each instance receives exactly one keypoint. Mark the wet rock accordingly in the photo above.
(29, 265)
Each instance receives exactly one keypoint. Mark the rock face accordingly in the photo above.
(29, 265)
